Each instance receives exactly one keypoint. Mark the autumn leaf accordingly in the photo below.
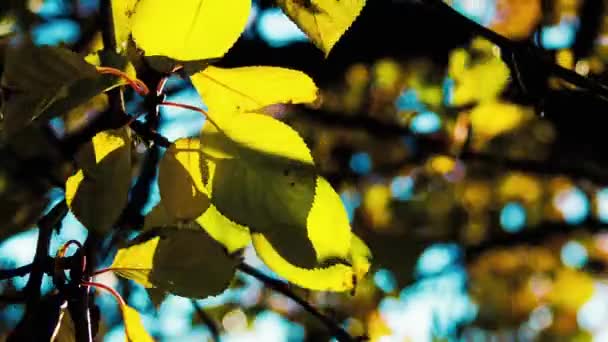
(188, 30)
(324, 21)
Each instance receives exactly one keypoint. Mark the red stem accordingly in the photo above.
(64, 248)
(107, 288)
(140, 87)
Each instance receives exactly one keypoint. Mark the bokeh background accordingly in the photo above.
(484, 203)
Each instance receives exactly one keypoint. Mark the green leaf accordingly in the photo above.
(263, 177)
(324, 21)
(40, 83)
(182, 177)
(99, 190)
(184, 261)
(250, 89)
(134, 329)
(188, 30)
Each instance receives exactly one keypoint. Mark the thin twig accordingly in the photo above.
(336, 330)
(207, 320)
(16, 272)
(45, 227)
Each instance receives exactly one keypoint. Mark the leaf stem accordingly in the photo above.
(113, 292)
(336, 330)
(189, 107)
(140, 87)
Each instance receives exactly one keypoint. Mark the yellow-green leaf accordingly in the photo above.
(99, 190)
(184, 261)
(249, 89)
(337, 277)
(188, 30)
(360, 256)
(324, 21)
(263, 177)
(231, 235)
(134, 329)
(122, 11)
(182, 177)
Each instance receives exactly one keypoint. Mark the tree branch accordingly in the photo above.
(207, 320)
(336, 330)
(524, 50)
(45, 228)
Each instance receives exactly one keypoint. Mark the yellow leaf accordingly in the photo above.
(493, 118)
(249, 89)
(230, 234)
(122, 11)
(479, 80)
(182, 177)
(136, 262)
(336, 277)
(184, 261)
(99, 190)
(571, 289)
(360, 256)
(134, 329)
(188, 30)
(324, 21)
(263, 177)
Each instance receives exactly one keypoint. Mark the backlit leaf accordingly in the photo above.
(324, 21)
(231, 235)
(188, 30)
(43, 82)
(98, 191)
(184, 261)
(134, 329)
(122, 11)
(338, 277)
(182, 177)
(263, 177)
(249, 89)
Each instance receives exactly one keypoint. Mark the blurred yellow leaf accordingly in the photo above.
(324, 21)
(375, 204)
(490, 119)
(479, 82)
(134, 329)
(188, 30)
(571, 289)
